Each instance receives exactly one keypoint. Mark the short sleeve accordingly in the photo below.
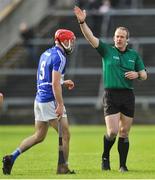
(103, 48)
(59, 62)
(139, 63)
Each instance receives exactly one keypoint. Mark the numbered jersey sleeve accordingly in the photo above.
(59, 62)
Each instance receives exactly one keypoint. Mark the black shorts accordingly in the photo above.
(119, 100)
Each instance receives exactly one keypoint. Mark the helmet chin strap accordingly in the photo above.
(68, 49)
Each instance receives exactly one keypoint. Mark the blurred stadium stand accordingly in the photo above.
(84, 103)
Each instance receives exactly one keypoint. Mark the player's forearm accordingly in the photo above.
(57, 90)
(88, 34)
(142, 75)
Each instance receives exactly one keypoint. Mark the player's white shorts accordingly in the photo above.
(46, 111)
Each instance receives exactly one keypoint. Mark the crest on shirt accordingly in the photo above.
(116, 57)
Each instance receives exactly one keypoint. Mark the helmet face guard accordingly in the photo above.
(66, 38)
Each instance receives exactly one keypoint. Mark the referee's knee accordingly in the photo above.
(112, 134)
(123, 132)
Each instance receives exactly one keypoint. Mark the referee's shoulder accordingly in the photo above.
(131, 50)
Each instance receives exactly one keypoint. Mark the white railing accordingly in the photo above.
(145, 101)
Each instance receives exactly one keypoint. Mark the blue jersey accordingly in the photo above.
(52, 59)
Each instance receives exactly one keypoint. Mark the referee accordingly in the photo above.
(121, 66)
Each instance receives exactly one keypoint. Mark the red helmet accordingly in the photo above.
(64, 34)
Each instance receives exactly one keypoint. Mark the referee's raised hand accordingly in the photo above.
(80, 14)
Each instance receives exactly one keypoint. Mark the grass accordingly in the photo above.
(85, 154)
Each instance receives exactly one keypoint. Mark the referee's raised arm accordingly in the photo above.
(88, 34)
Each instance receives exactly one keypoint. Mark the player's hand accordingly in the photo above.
(80, 14)
(69, 84)
(59, 110)
(131, 75)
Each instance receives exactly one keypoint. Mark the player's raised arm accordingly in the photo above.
(88, 34)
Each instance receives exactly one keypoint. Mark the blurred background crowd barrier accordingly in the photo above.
(26, 30)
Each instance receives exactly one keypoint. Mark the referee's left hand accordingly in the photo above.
(131, 75)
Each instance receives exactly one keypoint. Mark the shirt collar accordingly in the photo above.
(122, 52)
(57, 47)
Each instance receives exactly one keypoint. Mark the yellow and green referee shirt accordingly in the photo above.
(116, 63)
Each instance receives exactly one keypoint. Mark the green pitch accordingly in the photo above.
(85, 154)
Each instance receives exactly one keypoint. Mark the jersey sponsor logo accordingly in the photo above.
(41, 90)
(116, 57)
(45, 83)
